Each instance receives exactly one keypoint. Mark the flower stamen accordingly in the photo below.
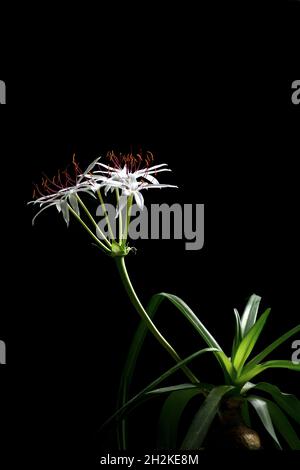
(61, 181)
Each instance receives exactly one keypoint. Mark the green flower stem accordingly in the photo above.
(101, 245)
(128, 214)
(105, 214)
(145, 317)
(93, 220)
(120, 219)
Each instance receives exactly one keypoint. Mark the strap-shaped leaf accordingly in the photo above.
(238, 334)
(130, 404)
(200, 328)
(250, 314)
(130, 365)
(245, 413)
(249, 341)
(261, 356)
(138, 342)
(261, 407)
(255, 370)
(170, 416)
(289, 403)
(204, 417)
(283, 426)
(174, 388)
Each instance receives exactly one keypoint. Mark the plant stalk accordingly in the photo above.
(95, 238)
(145, 317)
(120, 219)
(93, 221)
(105, 214)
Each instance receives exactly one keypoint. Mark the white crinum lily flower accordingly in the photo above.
(130, 181)
(62, 199)
(62, 191)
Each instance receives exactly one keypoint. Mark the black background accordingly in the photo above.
(230, 135)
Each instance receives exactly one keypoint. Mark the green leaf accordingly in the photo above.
(246, 387)
(289, 403)
(255, 370)
(175, 388)
(261, 408)
(170, 416)
(204, 417)
(199, 327)
(246, 414)
(130, 404)
(283, 426)
(129, 368)
(238, 334)
(257, 359)
(250, 314)
(249, 341)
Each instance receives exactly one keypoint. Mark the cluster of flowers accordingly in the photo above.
(124, 174)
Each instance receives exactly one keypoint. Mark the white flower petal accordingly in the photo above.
(153, 172)
(110, 188)
(139, 200)
(97, 177)
(74, 203)
(46, 199)
(121, 205)
(110, 168)
(42, 210)
(152, 168)
(90, 190)
(157, 186)
(65, 211)
(151, 179)
(89, 169)
(124, 172)
(114, 183)
(111, 185)
(110, 178)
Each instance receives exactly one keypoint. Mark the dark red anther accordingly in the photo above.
(61, 181)
(133, 162)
